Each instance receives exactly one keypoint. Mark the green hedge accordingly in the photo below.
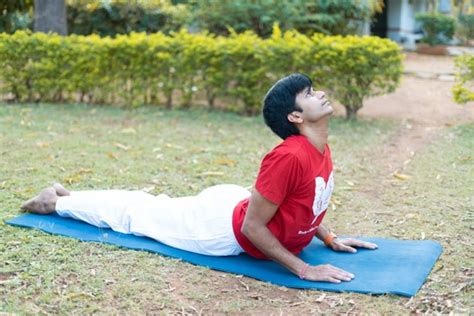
(437, 28)
(463, 90)
(183, 69)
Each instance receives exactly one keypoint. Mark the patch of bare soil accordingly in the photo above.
(423, 101)
(426, 102)
(423, 104)
(423, 97)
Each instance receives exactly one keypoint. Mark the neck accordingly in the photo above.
(316, 133)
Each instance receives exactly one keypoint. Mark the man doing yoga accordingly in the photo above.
(275, 221)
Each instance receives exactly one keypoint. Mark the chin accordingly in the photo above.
(330, 110)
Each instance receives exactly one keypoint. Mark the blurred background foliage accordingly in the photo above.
(15, 15)
(221, 17)
(108, 18)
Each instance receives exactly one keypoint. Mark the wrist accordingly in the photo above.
(329, 238)
(303, 270)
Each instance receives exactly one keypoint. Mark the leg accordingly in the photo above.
(104, 208)
(200, 224)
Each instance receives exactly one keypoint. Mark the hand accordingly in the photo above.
(327, 273)
(348, 245)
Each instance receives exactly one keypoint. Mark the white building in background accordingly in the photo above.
(397, 21)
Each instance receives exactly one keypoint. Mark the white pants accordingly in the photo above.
(200, 224)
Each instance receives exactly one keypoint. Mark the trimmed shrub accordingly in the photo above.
(437, 28)
(465, 29)
(354, 68)
(140, 69)
(463, 90)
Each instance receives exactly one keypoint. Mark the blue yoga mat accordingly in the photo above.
(397, 267)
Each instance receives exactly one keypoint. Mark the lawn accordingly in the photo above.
(180, 153)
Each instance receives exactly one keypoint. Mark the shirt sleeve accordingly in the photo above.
(278, 176)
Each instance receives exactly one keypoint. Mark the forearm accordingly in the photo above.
(270, 246)
(322, 232)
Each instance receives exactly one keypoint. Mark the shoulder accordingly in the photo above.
(293, 145)
(291, 150)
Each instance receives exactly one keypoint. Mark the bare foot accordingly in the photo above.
(60, 190)
(44, 203)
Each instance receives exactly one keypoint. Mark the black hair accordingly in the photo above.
(280, 101)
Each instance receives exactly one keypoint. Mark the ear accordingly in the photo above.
(295, 117)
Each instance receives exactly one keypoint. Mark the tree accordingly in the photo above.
(15, 15)
(50, 16)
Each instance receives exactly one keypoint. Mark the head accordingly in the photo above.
(292, 102)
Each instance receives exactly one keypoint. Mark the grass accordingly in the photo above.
(180, 153)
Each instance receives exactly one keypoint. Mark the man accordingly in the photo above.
(276, 221)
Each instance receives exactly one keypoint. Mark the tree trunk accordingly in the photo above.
(169, 100)
(210, 98)
(351, 113)
(50, 16)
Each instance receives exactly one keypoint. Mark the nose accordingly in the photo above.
(320, 94)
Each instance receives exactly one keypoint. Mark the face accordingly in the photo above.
(314, 104)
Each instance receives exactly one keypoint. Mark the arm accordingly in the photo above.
(254, 227)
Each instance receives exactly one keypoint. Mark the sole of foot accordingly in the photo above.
(44, 203)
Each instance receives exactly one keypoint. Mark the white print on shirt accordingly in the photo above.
(322, 195)
(304, 232)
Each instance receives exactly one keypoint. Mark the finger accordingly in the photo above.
(365, 244)
(342, 272)
(348, 248)
(342, 276)
(333, 280)
(360, 243)
(372, 245)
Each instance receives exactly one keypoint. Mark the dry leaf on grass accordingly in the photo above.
(122, 146)
(211, 173)
(76, 176)
(112, 155)
(42, 144)
(349, 182)
(335, 201)
(168, 145)
(321, 298)
(72, 179)
(466, 158)
(225, 162)
(129, 130)
(148, 189)
(401, 176)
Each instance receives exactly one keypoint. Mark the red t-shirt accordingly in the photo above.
(298, 178)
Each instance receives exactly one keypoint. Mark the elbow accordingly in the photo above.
(248, 229)
(244, 230)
